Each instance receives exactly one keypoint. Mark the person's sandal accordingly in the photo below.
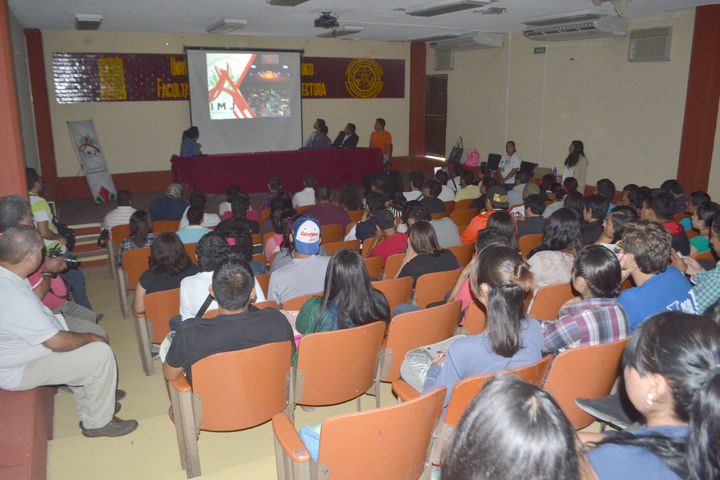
(114, 428)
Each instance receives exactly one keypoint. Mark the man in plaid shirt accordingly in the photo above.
(595, 317)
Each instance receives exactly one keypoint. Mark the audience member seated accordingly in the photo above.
(325, 212)
(237, 231)
(496, 200)
(557, 200)
(430, 199)
(676, 190)
(387, 241)
(194, 231)
(141, 235)
(702, 221)
(366, 228)
(596, 207)
(468, 189)
(198, 199)
(226, 206)
(347, 138)
(696, 199)
(506, 225)
(645, 254)
(417, 182)
(606, 189)
(119, 215)
(455, 182)
(500, 281)
(533, 218)
(349, 198)
(672, 378)
(625, 195)
(637, 198)
(447, 194)
(37, 349)
(424, 255)
(348, 300)
(445, 229)
(513, 430)
(595, 317)
(552, 261)
(571, 185)
(305, 271)
(306, 196)
(282, 223)
(170, 206)
(658, 207)
(238, 325)
(319, 122)
(321, 140)
(212, 251)
(576, 202)
(515, 195)
(706, 288)
(613, 224)
(274, 186)
(281, 201)
(530, 189)
(169, 265)
(190, 146)
(240, 207)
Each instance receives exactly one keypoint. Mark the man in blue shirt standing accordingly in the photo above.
(646, 247)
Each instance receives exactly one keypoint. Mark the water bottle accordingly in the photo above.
(555, 172)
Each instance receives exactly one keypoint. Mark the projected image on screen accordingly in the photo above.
(248, 85)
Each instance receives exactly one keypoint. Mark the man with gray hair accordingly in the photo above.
(37, 349)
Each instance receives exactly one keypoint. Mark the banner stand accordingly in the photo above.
(92, 159)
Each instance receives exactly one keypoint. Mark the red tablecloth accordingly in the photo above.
(251, 171)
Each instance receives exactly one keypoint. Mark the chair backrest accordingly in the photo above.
(438, 216)
(680, 216)
(257, 239)
(264, 282)
(396, 290)
(706, 255)
(135, 262)
(529, 242)
(118, 233)
(449, 206)
(432, 287)
(161, 226)
(367, 247)
(212, 313)
(374, 266)
(337, 366)
(333, 247)
(242, 388)
(159, 308)
(549, 299)
(415, 329)
(463, 253)
(463, 216)
(389, 442)
(190, 250)
(466, 389)
(333, 232)
(475, 319)
(259, 257)
(267, 304)
(463, 204)
(300, 210)
(583, 372)
(355, 215)
(264, 215)
(297, 302)
(691, 233)
(392, 264)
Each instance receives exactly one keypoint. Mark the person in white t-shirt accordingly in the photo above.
(447, 194)
(509, 166)
(198, 199)
(306, 196)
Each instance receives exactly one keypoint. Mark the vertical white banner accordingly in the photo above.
(92, 159)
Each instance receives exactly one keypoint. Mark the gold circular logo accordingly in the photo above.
(364, 78)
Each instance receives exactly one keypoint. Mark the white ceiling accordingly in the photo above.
(383, 19)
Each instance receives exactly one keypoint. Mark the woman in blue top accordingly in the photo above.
(672, 377)
(500, 280)
(190, 146)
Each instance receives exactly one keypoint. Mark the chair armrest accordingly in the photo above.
(404, 390)
(289, 439)
(180, 384)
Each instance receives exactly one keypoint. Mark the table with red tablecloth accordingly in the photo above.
(251, 171)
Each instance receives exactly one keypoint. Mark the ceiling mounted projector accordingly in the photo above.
(327, 20)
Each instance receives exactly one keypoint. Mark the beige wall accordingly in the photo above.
(714, 181)
(629, 115)
(141, 136)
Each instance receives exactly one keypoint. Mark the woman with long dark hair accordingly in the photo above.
(141, 235)
(505, 223)
(576, 164)
(702, 220)
(552, 261)
(513, 430)
(424, 254)
(169, 264)
(613, 224)
(500, 281)
(672, 377)
(349, 300)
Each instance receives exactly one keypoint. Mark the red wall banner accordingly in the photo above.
(325, 77)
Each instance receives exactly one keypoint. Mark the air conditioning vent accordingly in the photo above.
(650, 45)
(576, 28)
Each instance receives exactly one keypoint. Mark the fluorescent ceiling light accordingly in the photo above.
(342, 31)
(442, 9)
(226, 25)
(285, 3)
(87, 21)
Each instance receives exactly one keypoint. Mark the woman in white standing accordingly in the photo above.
(576, 164)
(509, 165)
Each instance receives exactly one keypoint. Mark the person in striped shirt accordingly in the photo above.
(595, 317)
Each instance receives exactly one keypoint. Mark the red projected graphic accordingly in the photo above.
(224, 95)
